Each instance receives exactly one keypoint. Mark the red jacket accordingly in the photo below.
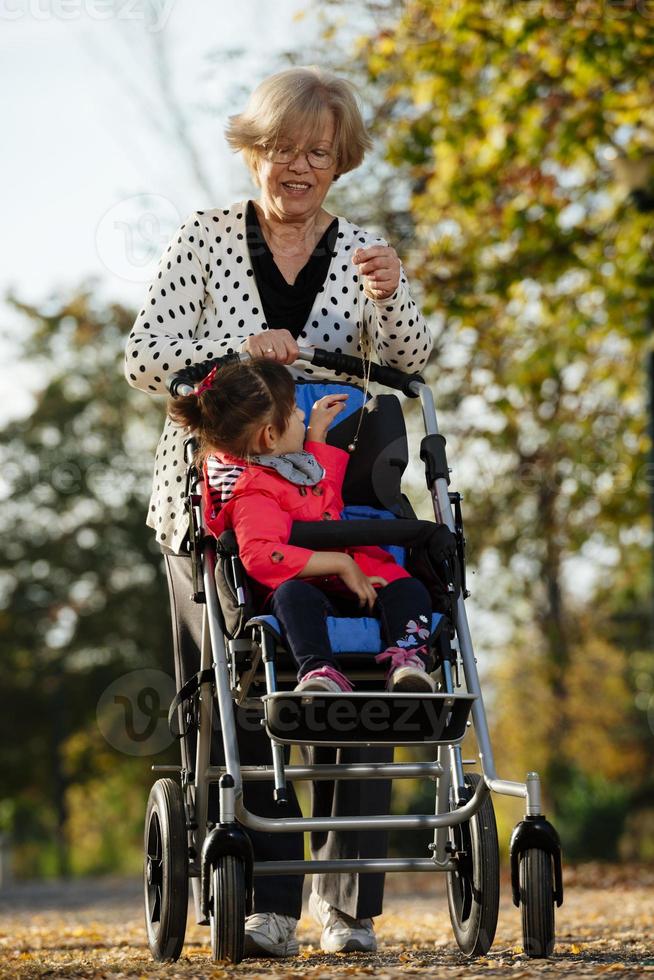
(262, 508)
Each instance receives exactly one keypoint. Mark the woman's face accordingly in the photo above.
(296, 190)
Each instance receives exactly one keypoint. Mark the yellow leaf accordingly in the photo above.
(386, 45)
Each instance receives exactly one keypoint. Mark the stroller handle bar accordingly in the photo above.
(183, 382)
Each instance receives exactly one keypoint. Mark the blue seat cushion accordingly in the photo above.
(306, 393)
(359, 634)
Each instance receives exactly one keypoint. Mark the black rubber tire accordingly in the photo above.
(473, 891)
(227, 910)
(537, 903)
(165, 871)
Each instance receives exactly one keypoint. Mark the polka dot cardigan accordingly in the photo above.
(203, 302)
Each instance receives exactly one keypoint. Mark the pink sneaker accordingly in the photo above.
(407, 672)
(325, 678)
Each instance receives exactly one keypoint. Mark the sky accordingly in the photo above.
(93, 182)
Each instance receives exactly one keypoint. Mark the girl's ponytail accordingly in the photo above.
(186, 410)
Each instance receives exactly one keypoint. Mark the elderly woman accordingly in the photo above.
(263, 276)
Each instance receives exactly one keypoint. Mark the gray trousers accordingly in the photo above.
(359, 896)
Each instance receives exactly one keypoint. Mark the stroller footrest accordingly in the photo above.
(364, 718)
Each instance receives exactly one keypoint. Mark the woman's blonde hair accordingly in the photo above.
(296, 99)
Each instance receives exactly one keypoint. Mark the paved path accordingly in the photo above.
(94, 928)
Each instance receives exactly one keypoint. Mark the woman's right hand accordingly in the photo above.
(278, 345)
(359, 583)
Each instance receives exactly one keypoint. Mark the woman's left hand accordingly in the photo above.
(379, 267)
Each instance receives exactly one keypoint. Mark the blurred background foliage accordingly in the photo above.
(502, 132)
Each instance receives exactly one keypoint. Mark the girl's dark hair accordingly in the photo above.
(242, 397)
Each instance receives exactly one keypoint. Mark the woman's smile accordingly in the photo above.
(296, 188)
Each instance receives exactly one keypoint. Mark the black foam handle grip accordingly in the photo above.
(196, 372)
(388, 376)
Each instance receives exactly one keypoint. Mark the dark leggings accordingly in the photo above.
(302, 610)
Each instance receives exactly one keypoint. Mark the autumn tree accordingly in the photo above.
(83, 598)
(499, 126)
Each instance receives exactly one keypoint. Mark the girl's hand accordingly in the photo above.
(323, 412)
(379, 268)
(278, 345)
(360, 584)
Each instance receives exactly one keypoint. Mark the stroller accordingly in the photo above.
(243, 662)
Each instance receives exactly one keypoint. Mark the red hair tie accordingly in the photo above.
(207, 382)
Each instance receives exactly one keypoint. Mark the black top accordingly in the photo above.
(287, 306)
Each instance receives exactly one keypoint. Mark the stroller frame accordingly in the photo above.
(218, 859)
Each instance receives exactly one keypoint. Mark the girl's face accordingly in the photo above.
(291, 440)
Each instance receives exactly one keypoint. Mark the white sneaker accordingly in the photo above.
(340, 932)
(270, 934)
(325, 678)
(411, 679)
(407, 671)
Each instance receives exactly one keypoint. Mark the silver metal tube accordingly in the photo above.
(533, 794)
(422, 821)
(269, 673)
(439, 492)
(505, 787)
(360, 865)
(457, 776)
(199, 791)
(268, 648)
(221, 670)
(372, 770)
(456, 766)
(478, 710)
(203, 743)
(279, 775)
(226, 798)
(428, 407)
(442, 806)
(443, 513)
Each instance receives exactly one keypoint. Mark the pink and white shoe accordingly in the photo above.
(407, 672)
(325, 678)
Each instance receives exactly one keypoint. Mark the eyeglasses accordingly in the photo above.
(318, 158)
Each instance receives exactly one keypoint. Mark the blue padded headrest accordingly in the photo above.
(306, 393)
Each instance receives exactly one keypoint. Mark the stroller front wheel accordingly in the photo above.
(537, 902)
(473, 889)
(165, 871)
(227, 909)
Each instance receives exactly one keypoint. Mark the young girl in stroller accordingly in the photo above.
(262, 471)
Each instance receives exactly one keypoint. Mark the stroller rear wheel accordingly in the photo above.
(165, 871)
(227, 909)
(537, 902)
(473, 890)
